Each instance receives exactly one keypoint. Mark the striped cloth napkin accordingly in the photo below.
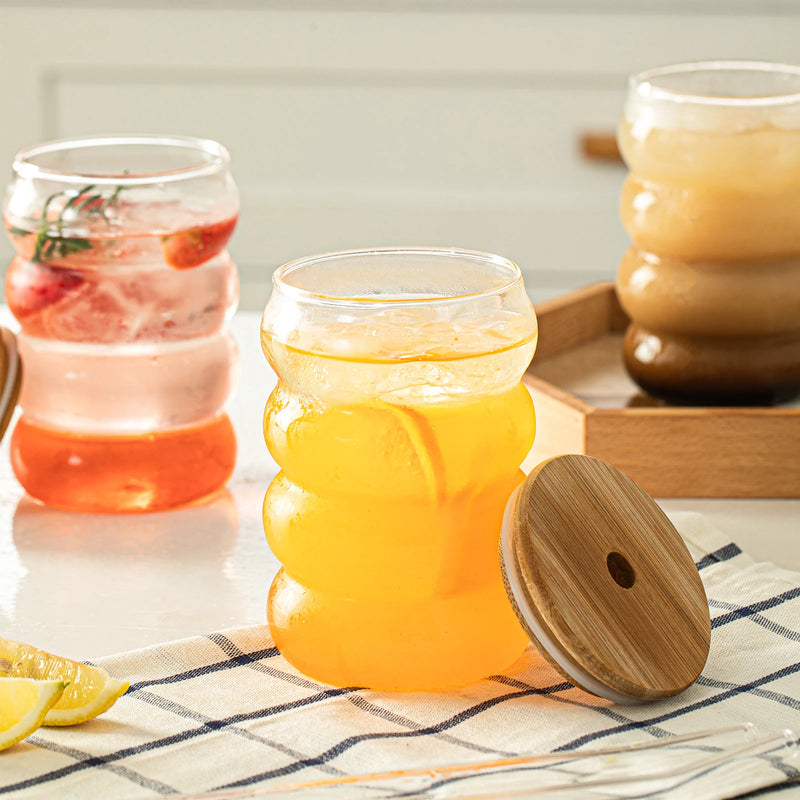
(225, 713)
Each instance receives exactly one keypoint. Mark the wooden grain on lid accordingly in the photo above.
(10, 377)
(603, 582)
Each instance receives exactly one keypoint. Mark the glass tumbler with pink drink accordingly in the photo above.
(122, 286)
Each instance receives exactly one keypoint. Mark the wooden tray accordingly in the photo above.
(586, 403)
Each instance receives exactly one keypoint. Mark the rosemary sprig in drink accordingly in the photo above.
(86, 202)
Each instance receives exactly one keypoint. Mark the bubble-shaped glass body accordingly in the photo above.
(712, 204)
(122, 286)
(399, 422)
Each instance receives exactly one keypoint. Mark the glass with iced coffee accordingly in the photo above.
(712, 205)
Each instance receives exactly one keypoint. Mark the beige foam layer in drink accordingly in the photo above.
(712, 194)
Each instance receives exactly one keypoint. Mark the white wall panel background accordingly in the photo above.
(375, 123)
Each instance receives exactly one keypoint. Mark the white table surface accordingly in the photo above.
(86, 585)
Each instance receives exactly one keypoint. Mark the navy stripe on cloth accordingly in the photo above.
(196, 672)
(679, 712)
(120, 770)
(765, 694)
(187, 713)
(755, 608)
(792, 786)
(718, 556)
(396, 719)
(166, 741)
(360, 702)
(352, 741)
(765, 622)
(610, 712)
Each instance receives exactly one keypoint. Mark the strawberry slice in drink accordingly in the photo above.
(32, 286)
(194, 246)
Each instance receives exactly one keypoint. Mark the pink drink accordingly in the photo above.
(122, 286)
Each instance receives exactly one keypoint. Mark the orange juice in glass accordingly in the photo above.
(399, 423)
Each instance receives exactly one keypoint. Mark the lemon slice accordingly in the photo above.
(424, 446)
(91, 690)
(373, 447)
(24, 702)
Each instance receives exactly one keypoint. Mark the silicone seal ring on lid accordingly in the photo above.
(532, 626)
(602, 582)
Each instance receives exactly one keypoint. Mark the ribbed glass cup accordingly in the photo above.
(399, 422)
(122, 286)
(712, 205)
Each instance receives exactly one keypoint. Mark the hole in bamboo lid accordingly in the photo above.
(620, 570)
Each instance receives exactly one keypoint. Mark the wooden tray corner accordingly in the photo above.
(585, 403)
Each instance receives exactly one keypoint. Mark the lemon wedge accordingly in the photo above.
(24, 702)
(90, 692)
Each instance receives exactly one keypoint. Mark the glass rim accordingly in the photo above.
(25, 167)
(641, 83)
(341, 301)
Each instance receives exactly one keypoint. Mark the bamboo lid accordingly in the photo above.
(10, 377)
(603, 583)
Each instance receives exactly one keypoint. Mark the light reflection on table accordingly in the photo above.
(86, 585)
